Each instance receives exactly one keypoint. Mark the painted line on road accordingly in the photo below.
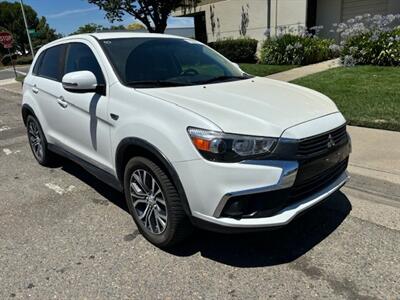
(4, 128)
(8, 151)
(58, 189)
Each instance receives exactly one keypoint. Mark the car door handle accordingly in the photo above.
(35, 89)
(62, 102)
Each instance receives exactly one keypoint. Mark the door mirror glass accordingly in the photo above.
(80, 82)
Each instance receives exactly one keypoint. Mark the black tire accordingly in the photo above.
(44, 157)
(177, 227)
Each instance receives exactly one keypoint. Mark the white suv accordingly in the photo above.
(187, 135)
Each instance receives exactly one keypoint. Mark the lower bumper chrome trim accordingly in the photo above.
(288, 176)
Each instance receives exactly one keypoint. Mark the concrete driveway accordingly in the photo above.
(64, 234)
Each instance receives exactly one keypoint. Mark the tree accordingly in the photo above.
(92, 27)
(11, 19)
(135, 26)
(89, 28)
(152, 13)
(44, 34)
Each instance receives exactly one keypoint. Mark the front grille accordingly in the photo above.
(316, 183)
(323, 142)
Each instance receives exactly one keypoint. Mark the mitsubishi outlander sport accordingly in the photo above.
(188, 136)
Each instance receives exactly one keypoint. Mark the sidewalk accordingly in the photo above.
(12, 86)
(306, 70)
(376, 153)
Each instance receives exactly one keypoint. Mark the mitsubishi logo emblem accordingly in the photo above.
(331, 142)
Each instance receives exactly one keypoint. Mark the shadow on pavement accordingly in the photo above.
(272, 247)
(103, 189)
(259, 249)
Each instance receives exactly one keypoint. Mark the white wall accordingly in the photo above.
(227, 16)
(289, 13)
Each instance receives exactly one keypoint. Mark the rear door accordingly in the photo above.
(46, 88)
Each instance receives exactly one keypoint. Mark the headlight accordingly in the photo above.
(224, 147)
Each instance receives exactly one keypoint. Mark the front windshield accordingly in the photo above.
(154, 62)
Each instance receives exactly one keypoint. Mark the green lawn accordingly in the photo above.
(368, 96)
(264, 70)
(20, 78)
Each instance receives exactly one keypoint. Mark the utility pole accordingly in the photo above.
(27, 29)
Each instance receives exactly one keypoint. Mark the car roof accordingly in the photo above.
(130, 34)
(111, 35)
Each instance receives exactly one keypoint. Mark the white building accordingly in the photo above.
(217, 19)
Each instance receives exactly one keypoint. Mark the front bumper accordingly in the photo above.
(284, 216)
(211, 186)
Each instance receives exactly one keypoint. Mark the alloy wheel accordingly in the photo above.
(148, 201)
(35, 140)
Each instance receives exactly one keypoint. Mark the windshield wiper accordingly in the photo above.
(223, 78)
(158, 83)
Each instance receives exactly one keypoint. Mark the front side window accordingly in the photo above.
(51, 65)
(81, 58)
(154, 62)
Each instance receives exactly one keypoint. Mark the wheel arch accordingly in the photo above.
(131, 146)
(25, 111)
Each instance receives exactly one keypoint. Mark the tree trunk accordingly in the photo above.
(160, 27)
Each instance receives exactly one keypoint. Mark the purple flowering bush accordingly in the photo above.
(371, 40)
(297, 48)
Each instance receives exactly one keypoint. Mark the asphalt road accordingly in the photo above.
(64, 234)
(8, 72)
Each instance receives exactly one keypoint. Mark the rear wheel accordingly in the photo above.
(38, 143)
(154, 203)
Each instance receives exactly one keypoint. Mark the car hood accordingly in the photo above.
(256, 106)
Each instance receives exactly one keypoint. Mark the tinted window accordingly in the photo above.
(51, 66)
(81, 58)
(38, 63)
(180, 61)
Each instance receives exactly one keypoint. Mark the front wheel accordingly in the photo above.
(154, 203)
(38, 143)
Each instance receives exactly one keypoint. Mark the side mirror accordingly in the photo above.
(80, 82)
(237, 66)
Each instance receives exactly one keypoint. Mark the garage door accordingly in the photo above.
(352, 8)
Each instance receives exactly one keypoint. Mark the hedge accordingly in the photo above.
(292, 49)
(242, 50)
(20, 60)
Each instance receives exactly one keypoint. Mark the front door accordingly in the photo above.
(86, 127)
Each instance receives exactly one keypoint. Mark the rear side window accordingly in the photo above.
(52, 62)
(81, 58)
(36, 67)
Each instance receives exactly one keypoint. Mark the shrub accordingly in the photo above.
(370, 40)
(297, 49)
(24, 60)
(18, 60)
(242, 50)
